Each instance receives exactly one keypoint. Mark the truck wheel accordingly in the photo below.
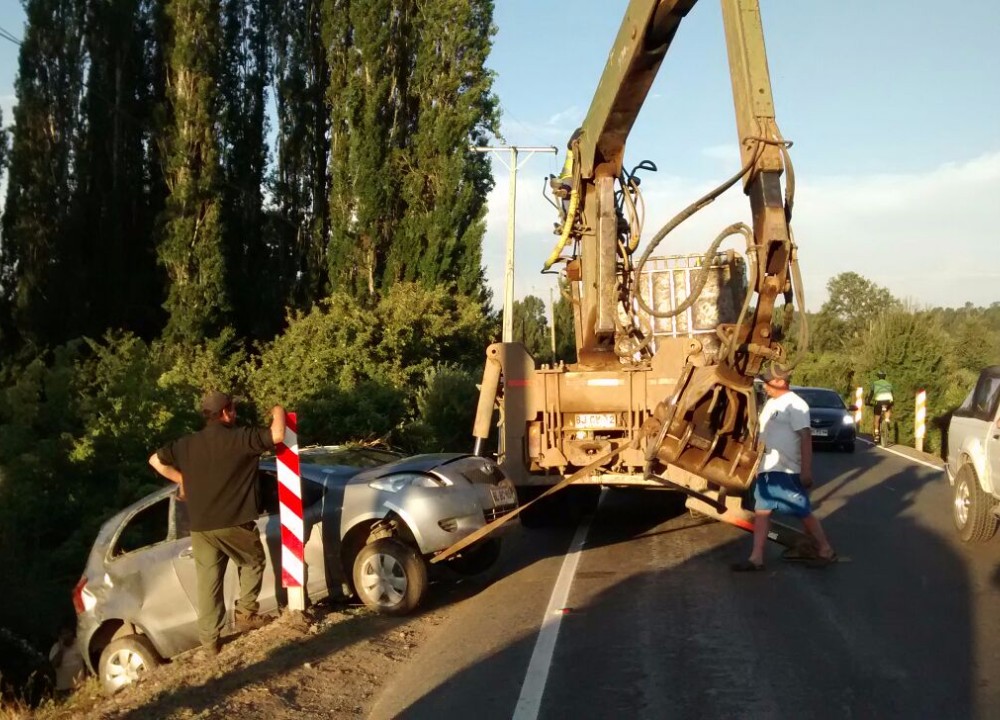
(478, 559)
(390, 577)
(562, 509)
(972, 508)
(124, 661)
(584, 499)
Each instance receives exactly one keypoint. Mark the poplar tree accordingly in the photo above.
(257, 305)
(5, 318)
(3, 146)
(370, 55)
(445, 185)
(191, 249)
(118, 197)
(300, 183)
(40, 258)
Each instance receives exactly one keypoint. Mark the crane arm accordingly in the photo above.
(708, 425)
(643, 40)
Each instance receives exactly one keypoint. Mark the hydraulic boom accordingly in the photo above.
(667, 348)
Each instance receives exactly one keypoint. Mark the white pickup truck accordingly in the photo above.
(974, 459)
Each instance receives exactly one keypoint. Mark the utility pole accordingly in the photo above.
(508, 292)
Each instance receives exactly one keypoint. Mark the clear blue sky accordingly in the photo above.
(893, 106)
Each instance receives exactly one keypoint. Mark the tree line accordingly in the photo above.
(862, 328)
(184, 166)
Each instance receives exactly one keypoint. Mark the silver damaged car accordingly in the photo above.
(372, 520)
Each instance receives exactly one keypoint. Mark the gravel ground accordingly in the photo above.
(327, 663)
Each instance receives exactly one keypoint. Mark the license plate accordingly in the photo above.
(503, 494)
(595, 421)
(820, 432)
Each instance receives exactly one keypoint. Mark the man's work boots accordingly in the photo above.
(249, 621)
(208, 651)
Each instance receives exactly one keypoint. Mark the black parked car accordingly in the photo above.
(831, 422)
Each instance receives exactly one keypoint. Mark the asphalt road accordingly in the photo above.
(656, 626)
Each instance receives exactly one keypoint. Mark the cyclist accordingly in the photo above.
(880, 398)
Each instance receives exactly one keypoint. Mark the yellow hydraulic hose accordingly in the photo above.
(574, 203)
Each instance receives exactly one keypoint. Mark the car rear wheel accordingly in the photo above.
(390, 576)
(972, 508)
(124, 661)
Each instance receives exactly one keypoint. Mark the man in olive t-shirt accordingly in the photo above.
(216, 469)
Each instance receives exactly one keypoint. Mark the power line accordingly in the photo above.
(9, 36)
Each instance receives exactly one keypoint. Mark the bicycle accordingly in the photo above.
(884, 427)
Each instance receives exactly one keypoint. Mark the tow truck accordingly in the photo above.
(655, 399)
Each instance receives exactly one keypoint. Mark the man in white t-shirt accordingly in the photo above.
(785, 471)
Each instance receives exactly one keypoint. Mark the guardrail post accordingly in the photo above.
(293, 567)
(920, 420)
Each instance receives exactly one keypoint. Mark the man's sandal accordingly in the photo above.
(746, 566)
(821, 562)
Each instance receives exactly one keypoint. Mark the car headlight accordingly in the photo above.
(395, 483)
(848, 419)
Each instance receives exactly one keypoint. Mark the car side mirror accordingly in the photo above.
(852, 408)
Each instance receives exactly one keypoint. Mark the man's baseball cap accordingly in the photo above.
(214, 401)
(773, 373)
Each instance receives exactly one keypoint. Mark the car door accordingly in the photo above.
(316, 560)
(143, 571)
(993, 439)
(187, 572)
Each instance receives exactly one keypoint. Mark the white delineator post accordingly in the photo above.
(920, 420)
(292, 527)
(859, 398)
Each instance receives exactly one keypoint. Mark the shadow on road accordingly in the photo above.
(889, 634)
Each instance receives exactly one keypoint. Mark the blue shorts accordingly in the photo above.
(781, 492)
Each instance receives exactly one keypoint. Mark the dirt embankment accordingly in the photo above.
(327, 663)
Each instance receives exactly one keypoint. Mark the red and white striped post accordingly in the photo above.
(292, 527)
(859, 398)
(920, 420)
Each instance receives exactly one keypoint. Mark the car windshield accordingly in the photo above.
(358, 457)
(816, 398)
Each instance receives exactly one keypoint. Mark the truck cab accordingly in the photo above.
(974, 459)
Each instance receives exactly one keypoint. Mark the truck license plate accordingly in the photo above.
(595, 421)
(503, 495)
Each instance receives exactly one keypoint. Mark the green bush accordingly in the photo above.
(446, 408)
(353, 372)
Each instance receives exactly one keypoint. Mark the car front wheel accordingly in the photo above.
(124, 661)
(390, 576)
(973, 508)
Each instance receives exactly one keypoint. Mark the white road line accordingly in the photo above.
(932, 466)
(530, 700)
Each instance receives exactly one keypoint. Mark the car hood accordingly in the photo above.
(827, 413)
(415, 464)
